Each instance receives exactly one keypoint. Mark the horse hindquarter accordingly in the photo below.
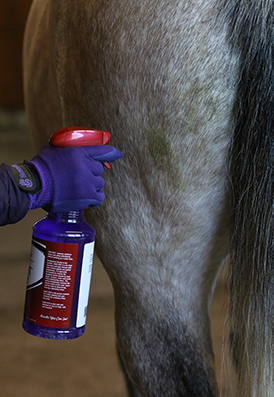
(161, 77)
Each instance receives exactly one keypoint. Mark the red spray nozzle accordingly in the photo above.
(80, 136)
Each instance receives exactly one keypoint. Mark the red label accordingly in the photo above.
(49, 300)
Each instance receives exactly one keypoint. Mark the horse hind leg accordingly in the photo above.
(162, 322)
(158, 230)
(131, 391)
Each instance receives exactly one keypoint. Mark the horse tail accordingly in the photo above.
(251, 310)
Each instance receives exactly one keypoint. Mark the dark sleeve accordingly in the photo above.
(14, 203)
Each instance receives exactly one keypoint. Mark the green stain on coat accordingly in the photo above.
(161, 153)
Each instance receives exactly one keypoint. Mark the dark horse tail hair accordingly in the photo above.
(251, 312)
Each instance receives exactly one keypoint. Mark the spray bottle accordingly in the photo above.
(61, 260)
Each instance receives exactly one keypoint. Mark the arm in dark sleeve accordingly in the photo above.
(14, 204)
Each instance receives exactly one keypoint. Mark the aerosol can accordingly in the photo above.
(61, 260)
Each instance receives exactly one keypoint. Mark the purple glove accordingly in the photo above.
(70, 177)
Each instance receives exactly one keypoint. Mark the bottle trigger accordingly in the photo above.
(107, 165)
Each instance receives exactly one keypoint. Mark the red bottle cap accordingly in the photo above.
(80, 136)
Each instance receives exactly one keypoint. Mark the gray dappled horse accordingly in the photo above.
(185, 88)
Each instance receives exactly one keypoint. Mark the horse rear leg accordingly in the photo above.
(161, 232)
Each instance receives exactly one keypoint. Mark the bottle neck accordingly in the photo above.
(67, 217)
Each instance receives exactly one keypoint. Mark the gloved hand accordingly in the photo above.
(70, 177)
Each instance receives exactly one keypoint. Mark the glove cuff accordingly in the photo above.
(46, 194)
(26, 178)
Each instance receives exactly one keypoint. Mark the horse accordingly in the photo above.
(185, 87)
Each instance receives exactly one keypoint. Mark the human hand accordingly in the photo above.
(70, 177)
